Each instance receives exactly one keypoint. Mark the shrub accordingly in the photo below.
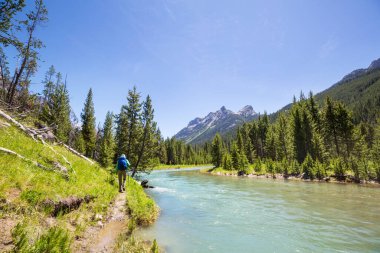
(285, 167)
(295, 168)
(227, 162)
(278, 167)
(356, 169)
(308, 168)
(257, 166)
(270, 166)
(338, 168)
(243, 164)
(319, 170)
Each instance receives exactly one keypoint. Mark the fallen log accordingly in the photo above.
(66, 205)
(10, 152)
(36, 134)
(76, 153)
(28, 131)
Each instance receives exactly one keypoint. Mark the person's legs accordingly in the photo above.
(120, 175)
(124, 178)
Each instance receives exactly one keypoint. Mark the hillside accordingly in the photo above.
(359, 90)
(52, 200)
(223, 121)
(361, 94)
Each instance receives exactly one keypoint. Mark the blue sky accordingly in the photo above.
(194, 56)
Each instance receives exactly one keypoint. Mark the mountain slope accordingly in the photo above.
(361, 94)
(359, 90)
(223, 121)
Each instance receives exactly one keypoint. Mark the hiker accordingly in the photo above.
(121, 168)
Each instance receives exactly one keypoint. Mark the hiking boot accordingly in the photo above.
(123, 188)
(120, 191)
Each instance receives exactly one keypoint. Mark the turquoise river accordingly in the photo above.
(206, 213)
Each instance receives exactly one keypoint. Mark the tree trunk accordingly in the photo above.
(140, 153)
(26, 54)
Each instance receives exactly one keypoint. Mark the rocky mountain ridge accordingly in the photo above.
(222, 121)
(359, 72)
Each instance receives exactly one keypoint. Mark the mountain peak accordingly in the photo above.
(247, 111)
(374, 65)
(359, 72)
(223, 120)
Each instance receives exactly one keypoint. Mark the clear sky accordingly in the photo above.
(193, 56)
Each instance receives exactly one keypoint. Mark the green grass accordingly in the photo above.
(142, 208)
(25, 187)
(131, 244)
(54, 240)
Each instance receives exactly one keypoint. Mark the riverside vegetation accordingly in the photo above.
(307, 141)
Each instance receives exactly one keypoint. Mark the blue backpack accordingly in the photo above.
(122, 164)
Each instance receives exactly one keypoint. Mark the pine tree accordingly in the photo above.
(239, 140)
(217, 150)
(263, 125)
(271, 147)
(235, 156)
(338, 127)
(298, 133)
(282, 137)
(88, 125)
(56, 109)
(308, 132)
(330, 125)
(148, 141)
(62, 113)
(121, 137)
(227, 161)
(376, 151)
(106, 150)
(314, 112)
(254, 139)
(134, 125)
(308, 168)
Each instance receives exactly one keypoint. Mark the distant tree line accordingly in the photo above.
(308, 140)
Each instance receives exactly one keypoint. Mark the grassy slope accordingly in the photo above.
(24, 187)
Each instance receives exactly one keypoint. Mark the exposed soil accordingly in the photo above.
(8, 223)
(102, 237)
(6, 226)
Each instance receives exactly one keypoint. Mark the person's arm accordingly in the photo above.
(129, 164)
(117, 163)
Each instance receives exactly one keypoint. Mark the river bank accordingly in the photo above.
(349, 179)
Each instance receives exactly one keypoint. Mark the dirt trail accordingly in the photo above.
(103, 238)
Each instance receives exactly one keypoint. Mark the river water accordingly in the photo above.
(206, 213)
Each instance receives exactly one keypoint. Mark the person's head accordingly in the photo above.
(123, 156)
